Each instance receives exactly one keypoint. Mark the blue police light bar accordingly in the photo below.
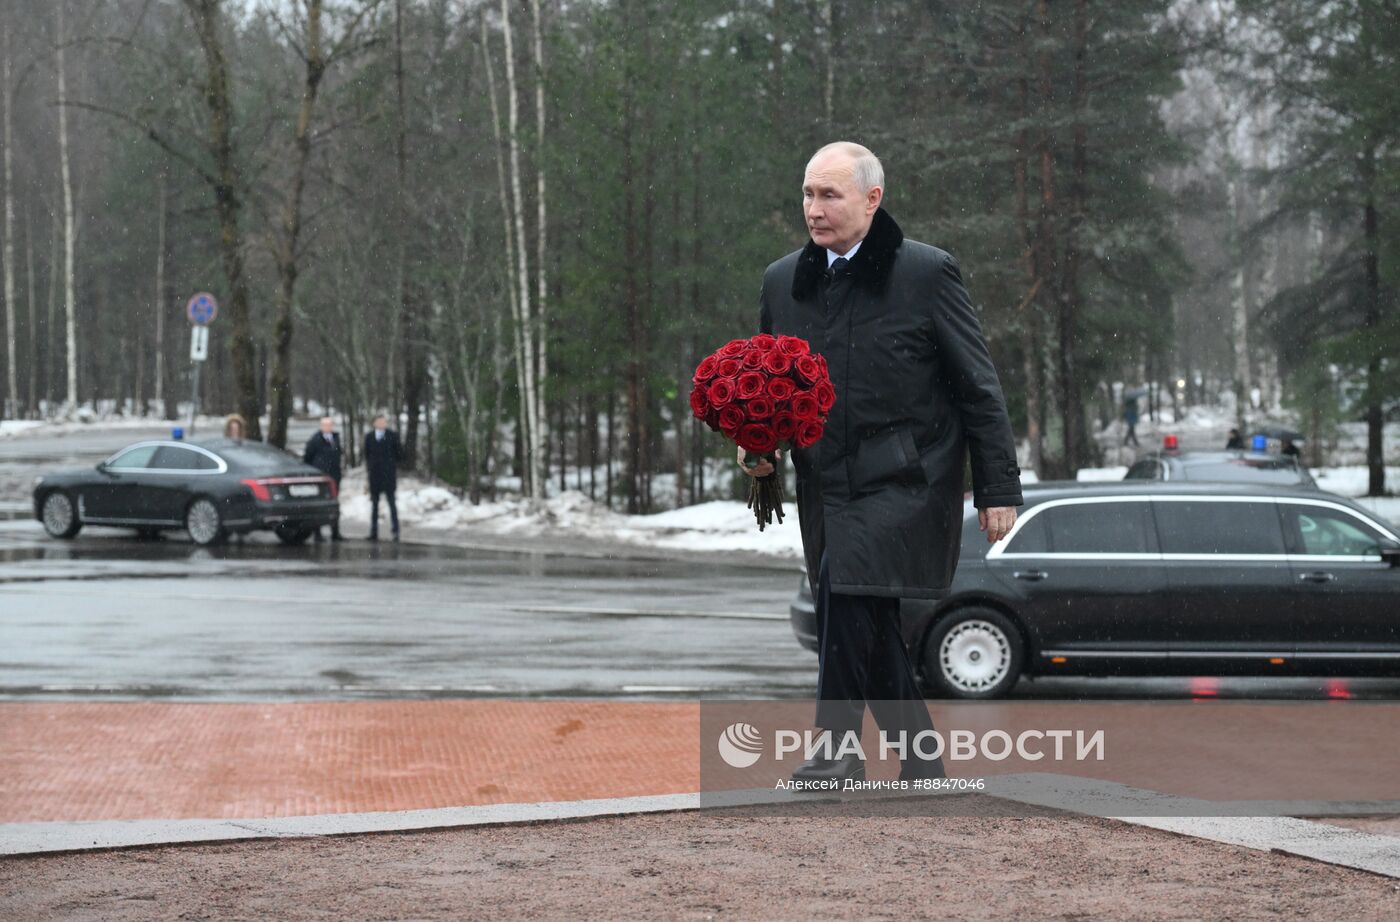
(177, 433)
(1260, 441)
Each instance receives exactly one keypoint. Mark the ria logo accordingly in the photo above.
(740, 745)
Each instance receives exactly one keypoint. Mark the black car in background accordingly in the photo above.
(1164, 578)
(209, 488)
(1231, 466)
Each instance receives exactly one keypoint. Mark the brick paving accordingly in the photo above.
(166, 760)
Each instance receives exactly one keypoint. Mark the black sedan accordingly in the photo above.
(209, 488)
(1230, 466)
(1149, 578)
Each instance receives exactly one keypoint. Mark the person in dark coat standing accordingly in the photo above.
(323, 453)
(382, 456)
(880, 496)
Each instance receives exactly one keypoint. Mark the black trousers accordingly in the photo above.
(374, 510)
(862, 658)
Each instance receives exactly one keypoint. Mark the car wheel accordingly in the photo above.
(293, 534)
(973, 653)
(60, 515)
(203, 522)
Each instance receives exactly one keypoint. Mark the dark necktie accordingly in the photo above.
(837, 268)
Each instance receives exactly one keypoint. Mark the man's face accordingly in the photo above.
(327, 425)
(837, 214)
(380, 424)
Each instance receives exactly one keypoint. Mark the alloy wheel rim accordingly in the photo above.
(58, 513)
(975, 655)
(203, 521)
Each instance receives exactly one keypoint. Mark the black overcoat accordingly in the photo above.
(324, 455)
(882, 491)
(382, 457)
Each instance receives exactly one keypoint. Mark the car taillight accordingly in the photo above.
(259, 490)
(334, 490)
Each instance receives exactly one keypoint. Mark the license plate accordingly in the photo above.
(303, 489)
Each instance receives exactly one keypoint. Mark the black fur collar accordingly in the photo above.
(869, 267)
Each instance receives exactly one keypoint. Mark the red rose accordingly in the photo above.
(781, 388)
(777, 363)
(733, 348)
(760, 408)
(730, 419)
(699, 403)
(729, 368)
(748, 385)
(792, 346)
(808, 369)
(764, 341)
(754, 358)
(821, 360)
(809, 433)
(706, 369)
(785, 426)
(721, 392)
(804, 406)
(826, 396)
(757, 438)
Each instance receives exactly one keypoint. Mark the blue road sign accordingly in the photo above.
(202, 308)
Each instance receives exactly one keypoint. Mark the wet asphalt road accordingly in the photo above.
(110, 616)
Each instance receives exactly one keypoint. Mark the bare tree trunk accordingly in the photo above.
(829, 85)
(69, 243)
(31, 397)
(542, 225)
(531, 436)
(6, 99)
(51, 325)
(228, 192)
(511, 292)
(285, 250)
(1030, 310)
(1375, 420)
(160, 307)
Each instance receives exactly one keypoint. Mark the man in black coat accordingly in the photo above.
(382, 457)
(880, 497)
(323, 453)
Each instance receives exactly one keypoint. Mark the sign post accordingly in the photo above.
(202, 308)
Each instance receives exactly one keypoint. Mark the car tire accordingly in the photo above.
(59, 514)
(973, 652)
(204, 522)
(293, 535)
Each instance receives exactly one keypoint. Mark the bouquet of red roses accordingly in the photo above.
(764, 393)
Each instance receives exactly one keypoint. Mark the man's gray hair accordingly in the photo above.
(868, 172)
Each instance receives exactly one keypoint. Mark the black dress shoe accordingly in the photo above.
(336, 536)
(914, 768)
(372, 537)
(849, 766)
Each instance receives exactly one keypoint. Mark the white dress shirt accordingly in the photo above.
(832, 255)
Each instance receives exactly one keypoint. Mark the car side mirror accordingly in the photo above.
(102, 466)
(1390, 552)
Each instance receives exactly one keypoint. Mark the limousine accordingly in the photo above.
(1159, 578)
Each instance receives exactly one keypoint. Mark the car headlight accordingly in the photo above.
(38, 480)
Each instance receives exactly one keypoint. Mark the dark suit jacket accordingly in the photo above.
(882, 491)
(324, 455)
(382, 457)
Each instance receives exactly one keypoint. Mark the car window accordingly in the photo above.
(255, 456)
(175, 458)
(1098, 528)
(1243, 472)
(1031, 538)
(133, 458)
(1144, 470)
(1319, 530)
(1204, 527)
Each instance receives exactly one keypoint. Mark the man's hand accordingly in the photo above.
(762, 469)
(996, 521)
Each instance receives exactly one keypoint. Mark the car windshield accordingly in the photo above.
(1244, 471)
(253, 456)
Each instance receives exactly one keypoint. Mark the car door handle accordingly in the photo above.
(1318, 576)
(1030, 574)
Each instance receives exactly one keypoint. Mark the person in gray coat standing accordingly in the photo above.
(880, 496)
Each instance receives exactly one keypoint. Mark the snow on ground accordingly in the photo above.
(712, 526)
